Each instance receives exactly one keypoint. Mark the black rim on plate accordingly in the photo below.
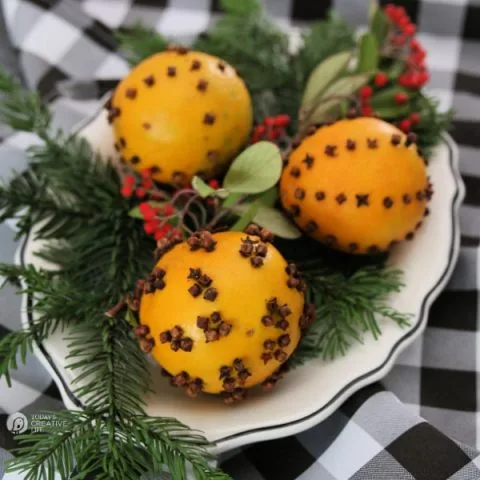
(422, 318)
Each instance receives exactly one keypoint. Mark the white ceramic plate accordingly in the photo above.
(311, 393)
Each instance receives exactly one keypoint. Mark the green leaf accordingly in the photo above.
(323, 75)
(344, 87)
(202, 188)
(372, 9)
(269, 197)
(379, 26)
(244, 7)
(395, 111)
(247, 217)
(396, 69)
(130, 318)
(385, 99)
(135, 213)
(369, 55)
(276, 222)
(255, 170)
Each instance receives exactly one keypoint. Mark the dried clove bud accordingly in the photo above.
(282, 324)
(202, 322)
(186, 344)
(284, 340)
(181, 379)
(195, 273)
(238, 365)
(159, 284)
(239, 394)
(205, 280)
(280, 355)
(246, 249)
(159, 273)
(141, 331)
(243, 375)
(215, 317)
(175, 345)
(211, 335)
(176, 332)
(256, 262)
(253, 229)
(267, 320)
(266, 357)
(224, 329)
(291, 269)
(293, 282)
(261, 250)
(269, 344)
(266, 235)
(165, 337)
(146, 345)
(272, 305)
(195, 290)
(225, 371)
(284, 311)
(229, 384)
(210, 294)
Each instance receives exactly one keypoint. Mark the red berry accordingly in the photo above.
(367, 110)
(423, 78)
(401, 98)
(380, 79)
(147, 183)
(176, 233)
(274, 133)
(414, 118)
(282, 120)
(126, 191)
(405, 80)
(259, 129)
(150, 226)
(214, 183)
(140, 192)
(389, 10)
(366, 92)
(168, 209)
(415, 80)
(405, 125)
(147, 211)
(129, 180)
(409, 29)
(146, 173)
(403, 22)
(162, 231)
(269, 121)
(415, 44)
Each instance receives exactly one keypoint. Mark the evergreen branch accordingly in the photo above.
(139, 42)
(54, 303)
(346, 309)
(433, 123)
(20, 109)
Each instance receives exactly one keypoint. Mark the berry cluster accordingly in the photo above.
(272, 128)
(156, 218)
(399, 45)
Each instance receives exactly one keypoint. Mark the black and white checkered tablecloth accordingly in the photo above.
(422, 422)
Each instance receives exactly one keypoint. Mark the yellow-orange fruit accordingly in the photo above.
(357, 185)
(181, 113)
(217, 319)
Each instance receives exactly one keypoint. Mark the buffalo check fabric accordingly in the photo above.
(423, 421)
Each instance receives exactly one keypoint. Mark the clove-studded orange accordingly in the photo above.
(358, 185)
(180, 113)
(224, 312)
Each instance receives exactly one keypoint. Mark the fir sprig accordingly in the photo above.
(343, 319)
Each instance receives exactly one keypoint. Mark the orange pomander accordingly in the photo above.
(357, 185)
(180, 113)
(223, 313)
